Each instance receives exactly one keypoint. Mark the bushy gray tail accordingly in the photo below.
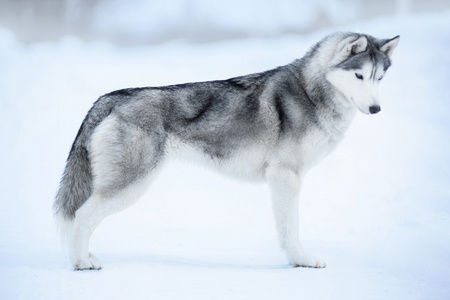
(76, 182)
(75, 186)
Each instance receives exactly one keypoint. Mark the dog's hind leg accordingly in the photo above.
(284, 185)
(87, 218)
(124, 159)
(91, 214)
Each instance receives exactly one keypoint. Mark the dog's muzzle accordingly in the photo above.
(374, 109)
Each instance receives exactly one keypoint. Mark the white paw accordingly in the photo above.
(89, 263)
(308, 261)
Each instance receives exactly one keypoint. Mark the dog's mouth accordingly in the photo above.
(371, 110)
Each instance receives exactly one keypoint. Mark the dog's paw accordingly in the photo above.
(308, 261)
(89, 263)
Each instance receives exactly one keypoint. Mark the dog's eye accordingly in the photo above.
(381, 77)
(359, 76)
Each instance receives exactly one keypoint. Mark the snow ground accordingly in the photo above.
(377, 210)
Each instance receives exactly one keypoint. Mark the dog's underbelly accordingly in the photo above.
(247, 162)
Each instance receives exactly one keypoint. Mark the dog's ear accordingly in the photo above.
(350, 45)
(357, 46)
(388, 46)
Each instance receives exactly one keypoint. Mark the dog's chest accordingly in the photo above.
(315, 145)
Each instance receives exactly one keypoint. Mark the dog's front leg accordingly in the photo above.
(284, 184)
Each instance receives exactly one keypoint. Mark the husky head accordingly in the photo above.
(357, 68)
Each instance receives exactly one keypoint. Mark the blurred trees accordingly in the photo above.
(35, 20)
(153, 21)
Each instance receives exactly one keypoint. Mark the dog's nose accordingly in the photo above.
(374, 109)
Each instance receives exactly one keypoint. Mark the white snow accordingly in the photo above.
(377, 210)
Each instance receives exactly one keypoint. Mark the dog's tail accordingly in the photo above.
(76, 182)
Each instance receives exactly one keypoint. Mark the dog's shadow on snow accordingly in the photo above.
(172, 260)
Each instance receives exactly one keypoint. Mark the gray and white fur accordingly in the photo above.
(271, 126)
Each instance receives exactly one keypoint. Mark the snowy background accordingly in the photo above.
(377, 210)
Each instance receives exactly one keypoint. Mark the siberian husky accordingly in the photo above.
(271, 126)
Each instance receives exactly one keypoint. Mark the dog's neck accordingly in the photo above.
(331, 105)
(341, 116)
